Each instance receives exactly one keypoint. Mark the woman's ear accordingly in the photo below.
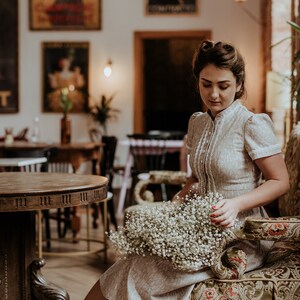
(238, 88)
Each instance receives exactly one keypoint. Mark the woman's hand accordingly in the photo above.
(224, 213)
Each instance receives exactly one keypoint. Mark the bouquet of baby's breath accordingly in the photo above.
(182, 233)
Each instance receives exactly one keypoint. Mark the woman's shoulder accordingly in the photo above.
(251, 118)
(197, 116)
(259, 119)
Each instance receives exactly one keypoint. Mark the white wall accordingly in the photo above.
(120, 18)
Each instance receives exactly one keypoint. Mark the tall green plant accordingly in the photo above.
(102, 111)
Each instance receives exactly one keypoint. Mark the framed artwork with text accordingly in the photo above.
(9, 95)
(65, 14)
(171, 7)
(65, 69)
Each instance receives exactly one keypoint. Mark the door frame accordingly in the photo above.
(139, 37)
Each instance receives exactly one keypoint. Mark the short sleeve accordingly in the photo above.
(191, 130)
(260, 137)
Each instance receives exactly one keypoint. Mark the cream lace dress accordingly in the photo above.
(221, 156)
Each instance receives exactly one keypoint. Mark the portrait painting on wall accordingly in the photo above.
(171, 7)
(65, 65)
(65, 14)
(9, 102)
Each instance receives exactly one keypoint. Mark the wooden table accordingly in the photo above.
(21, 195)
(74, 153)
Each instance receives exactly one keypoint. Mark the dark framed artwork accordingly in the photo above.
(171, 7)
(65, 65)
(65, 14)
(9, 94)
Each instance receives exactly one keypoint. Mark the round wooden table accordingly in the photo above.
(21, 196)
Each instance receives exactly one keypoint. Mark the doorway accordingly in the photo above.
(165, 90)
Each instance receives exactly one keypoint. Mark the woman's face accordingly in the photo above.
(217, 88)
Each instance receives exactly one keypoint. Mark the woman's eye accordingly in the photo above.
(223, 87)
(206, 85)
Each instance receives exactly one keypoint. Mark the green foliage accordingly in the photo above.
(65, 103)
(103, 111)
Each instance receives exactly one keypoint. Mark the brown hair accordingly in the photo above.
(223, 56)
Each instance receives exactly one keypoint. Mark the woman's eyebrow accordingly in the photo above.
(221, 81)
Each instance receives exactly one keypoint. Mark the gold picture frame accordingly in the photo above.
(65, 69)
(65, 15)
(9, 62)
(171, 7)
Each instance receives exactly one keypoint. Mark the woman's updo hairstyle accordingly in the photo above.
(223, 56)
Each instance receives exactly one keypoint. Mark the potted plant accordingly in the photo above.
(65, 123)
(102, 111)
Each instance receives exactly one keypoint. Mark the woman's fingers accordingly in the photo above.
(223, 214)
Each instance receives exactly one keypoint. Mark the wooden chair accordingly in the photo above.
(106, 169)
(66, 218)
(279, 277)
(148, 153)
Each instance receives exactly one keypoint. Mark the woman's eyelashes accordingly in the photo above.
(221, 86)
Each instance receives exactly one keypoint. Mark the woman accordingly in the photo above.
(230, 148)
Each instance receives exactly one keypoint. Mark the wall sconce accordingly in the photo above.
(108, 69)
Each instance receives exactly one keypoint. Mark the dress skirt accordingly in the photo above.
(155, 278)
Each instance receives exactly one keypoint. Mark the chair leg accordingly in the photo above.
(95, 215)
(75, 223)
(111, 209)
(111, 218)
(164, 192)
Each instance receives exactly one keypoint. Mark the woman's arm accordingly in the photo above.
(276, 184)
(186, 189)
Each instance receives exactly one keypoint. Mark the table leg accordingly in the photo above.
(43, 289)
(17, 252)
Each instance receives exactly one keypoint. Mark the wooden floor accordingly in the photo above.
(77, 273)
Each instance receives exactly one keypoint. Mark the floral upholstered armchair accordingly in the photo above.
(279, 277)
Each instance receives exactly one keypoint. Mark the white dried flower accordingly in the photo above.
(182, 233)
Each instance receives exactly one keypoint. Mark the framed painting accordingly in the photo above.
(9, 95)
(171, 7)
(65, 68)
(65, 14)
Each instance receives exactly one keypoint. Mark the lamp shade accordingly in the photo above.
(278, 91)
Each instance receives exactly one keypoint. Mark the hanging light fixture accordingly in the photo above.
(108, 69)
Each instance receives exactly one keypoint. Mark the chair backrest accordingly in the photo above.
(289, 204)
(167, 134)
(108, 155)
(29, 153)
(60, 167)
(148, 152)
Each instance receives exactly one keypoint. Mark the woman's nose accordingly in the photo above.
(214, 93)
